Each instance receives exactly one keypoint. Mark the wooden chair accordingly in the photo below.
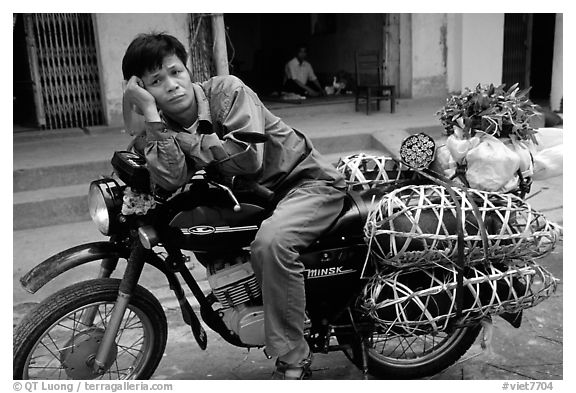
(369, 86)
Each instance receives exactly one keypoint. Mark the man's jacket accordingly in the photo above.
(226, 105)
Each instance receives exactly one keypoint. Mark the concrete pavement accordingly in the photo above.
(534, 351)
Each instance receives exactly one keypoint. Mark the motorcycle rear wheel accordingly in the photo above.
(52, 343)
(416, 356)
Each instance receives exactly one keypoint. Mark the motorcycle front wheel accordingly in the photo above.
(54, 341)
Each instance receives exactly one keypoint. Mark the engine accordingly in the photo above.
(234, 284)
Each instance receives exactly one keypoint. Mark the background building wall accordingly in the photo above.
(405, 88)
(429, 55)
(475, 44)
(114, 32)
(482, 49)
(454, 59)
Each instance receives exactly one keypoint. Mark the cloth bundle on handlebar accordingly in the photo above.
(417, 225)
(419, 301)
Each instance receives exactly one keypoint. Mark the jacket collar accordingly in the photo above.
(204, 115)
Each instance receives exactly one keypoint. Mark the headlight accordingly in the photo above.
(104, 200)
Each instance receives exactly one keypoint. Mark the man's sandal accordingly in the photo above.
(300, 370)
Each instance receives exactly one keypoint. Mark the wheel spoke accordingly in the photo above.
(127, 350)
(404, 340)
(125, 323)
(48, 349)
(135, 325)
(104, 319)
(411, 351)
(47, 367)
(130, 347)
(396, 347)
(116, 364)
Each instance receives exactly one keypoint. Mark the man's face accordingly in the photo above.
(302, 54)
(170, 86)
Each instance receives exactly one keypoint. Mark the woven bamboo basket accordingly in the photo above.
(416, 226)
(421, 301)
(364, 171)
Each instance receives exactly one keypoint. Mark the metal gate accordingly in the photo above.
(64, 67)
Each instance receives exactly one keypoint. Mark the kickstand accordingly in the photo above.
(364, 349)
(363, 346)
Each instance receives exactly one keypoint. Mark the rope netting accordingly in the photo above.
(416, 225)
(420, 301)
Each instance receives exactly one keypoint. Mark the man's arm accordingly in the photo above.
(317, 84)
(164, 157)
(314, 79)
(306, 88)
(244, 113)
(133, 121)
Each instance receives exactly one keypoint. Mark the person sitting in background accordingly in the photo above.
(299, 76)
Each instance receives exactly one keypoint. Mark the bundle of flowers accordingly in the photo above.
(489, 136)
(493, 110)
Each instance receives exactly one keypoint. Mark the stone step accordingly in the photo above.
(59, 175)
(58, 194)
(80, 172)
(50, 206)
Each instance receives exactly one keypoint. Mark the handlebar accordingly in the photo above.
(254, 188)
(245, 188)
(230, 193)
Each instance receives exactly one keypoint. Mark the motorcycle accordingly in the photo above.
(116, 329)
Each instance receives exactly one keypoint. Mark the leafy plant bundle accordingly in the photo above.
(491, 109)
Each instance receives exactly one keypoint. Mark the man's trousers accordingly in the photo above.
(298, 220)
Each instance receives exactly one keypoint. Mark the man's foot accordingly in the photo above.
(300, 370)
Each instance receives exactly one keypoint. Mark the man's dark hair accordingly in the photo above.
(146, 52)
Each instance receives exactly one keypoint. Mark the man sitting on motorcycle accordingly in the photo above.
(185, 126)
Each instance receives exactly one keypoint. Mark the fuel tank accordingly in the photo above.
(213, 229)
(210, 229)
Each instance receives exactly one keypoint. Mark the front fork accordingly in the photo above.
(132, 274)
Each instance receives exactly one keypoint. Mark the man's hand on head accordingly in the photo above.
(141, 99)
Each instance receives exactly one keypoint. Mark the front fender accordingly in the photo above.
(69, 259)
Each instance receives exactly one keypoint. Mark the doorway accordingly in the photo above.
(261, 44)
(528, 53)
(24, 109)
